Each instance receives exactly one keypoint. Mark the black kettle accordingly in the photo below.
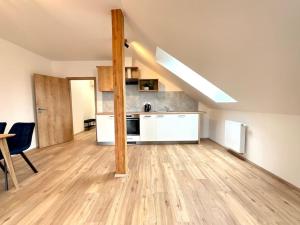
(147, 107)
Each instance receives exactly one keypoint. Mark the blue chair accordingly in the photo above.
(19, 143)
(2, 127)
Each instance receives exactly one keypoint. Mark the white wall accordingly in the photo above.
(88, 68)
(80, 69)
(272, 140)
(147, 73)
(204, 120)
(83, 103)
(83, 69)
(16, 88)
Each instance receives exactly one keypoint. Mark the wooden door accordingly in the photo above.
(105, 78)
(53, 110)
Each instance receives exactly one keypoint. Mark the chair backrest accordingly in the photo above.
(22, 140)
(2, 127)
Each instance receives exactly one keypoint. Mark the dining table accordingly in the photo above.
(7, 157)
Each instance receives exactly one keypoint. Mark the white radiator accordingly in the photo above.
(235, 136)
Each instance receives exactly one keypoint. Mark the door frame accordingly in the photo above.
(95, 92)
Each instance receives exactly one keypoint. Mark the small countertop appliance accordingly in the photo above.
(147, 107)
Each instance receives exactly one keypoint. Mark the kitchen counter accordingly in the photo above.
(152, 113)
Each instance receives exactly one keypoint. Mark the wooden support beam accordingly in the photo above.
(119, 91)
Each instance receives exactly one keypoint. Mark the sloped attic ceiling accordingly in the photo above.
(249, 49)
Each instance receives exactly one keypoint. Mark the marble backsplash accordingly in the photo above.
(160, 101)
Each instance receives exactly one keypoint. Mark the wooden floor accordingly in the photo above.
(167, 184)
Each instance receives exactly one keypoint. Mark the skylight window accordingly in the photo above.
(191, 77)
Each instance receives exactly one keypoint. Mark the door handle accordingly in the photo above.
(41, 109)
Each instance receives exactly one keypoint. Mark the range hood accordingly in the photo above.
(132, 81)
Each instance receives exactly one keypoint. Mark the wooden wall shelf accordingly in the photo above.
(151, 84)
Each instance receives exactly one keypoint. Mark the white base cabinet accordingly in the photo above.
(154, 127)
(105, 128)
(169, 127)
(148, 124)
(187, 127)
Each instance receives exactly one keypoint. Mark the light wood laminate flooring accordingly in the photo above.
(167, 184)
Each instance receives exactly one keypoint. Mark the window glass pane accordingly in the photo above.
(191, 77)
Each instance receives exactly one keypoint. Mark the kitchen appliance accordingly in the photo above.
(147, 107)
(133, 127)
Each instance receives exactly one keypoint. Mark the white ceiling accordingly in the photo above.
(59, 29)
(250, 49)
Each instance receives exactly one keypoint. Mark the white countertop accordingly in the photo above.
(152, 112)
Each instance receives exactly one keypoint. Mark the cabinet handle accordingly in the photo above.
(111, 116)
(147, 116)
(181, 116)
(160, 116)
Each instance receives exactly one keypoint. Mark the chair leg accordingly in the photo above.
(2, 167)
(6, 177)
(28, 162)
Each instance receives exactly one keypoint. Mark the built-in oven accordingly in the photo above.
(133, 127)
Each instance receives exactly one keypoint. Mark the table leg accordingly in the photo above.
(7, 158)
